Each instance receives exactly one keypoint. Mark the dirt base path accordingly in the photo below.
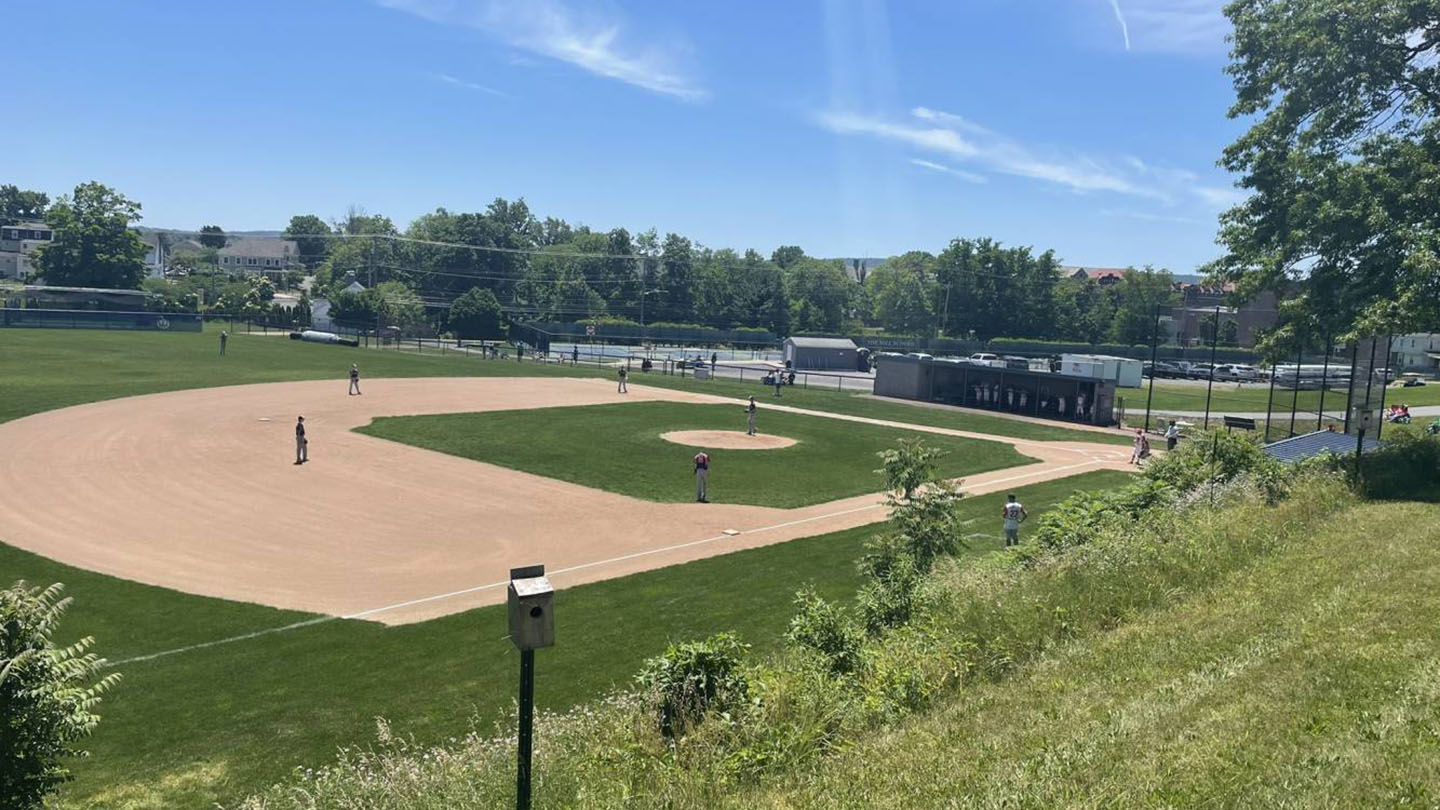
(196, 490)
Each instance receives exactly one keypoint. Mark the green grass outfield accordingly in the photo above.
(1229, 397)
(44, 369)
(188, 730)
(618, 448)
(1308, 679)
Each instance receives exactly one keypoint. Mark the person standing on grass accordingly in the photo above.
(574, 355)
(302, 445)
(779, 381)
(1135, 444)
(714, 361)
(702, 472)
(623, 375)
(1012, 514)
(1172, 435)
(750, 417)
(354, 379)
(224, 338)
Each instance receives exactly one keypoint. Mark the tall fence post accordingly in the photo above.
(1324, 379)
(1295, 400)
(1214, 344)
(1154, 351)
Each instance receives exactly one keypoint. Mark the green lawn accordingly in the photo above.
(210, 725)
(44, 369)
(1229, 397)
(1310, 679)
(618, 448)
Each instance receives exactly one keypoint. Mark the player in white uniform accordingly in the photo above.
(1013, 514)
(750, 417)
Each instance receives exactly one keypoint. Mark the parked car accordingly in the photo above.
(1163, 370)
(1017, 363)
(1236, 372)
(1199, 371)
(986, 359)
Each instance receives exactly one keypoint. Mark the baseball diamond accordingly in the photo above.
(192, 490)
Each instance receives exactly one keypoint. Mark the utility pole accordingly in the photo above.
(1214, 344)
(1154, 350)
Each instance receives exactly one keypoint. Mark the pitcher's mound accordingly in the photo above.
(726, 440)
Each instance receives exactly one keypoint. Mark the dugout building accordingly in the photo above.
(1043, 394)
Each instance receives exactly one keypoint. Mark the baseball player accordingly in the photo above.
(302, 444)
(354, 380)
(702, 472)
(574, 355)
(224, 338)
(623, 375)
(1013, 514)
(750, 417)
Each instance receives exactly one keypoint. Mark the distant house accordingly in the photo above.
(1104, 276)
(250, 255)
(1417, 352)
(1199, 302)
(18, 244)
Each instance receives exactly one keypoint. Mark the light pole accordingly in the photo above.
(644, 293)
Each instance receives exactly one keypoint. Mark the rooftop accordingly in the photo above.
(263, 248)
(822, 343)
(1299, 448)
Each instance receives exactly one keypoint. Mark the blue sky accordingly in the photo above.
(849, 127)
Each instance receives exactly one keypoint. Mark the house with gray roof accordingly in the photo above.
(253, 255)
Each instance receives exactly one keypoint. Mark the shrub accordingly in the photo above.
(929, 523)
(1216, 455)
(692, 679)
(824, 627)
(47, 696)
(1407, 467)
(1082, 517)
(908, 466)
(891, 600)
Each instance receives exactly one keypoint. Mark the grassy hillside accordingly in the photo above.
(1253, 655)
(188, 730)
(618, 448)
(1310, 679)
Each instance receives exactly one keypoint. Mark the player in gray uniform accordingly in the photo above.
(302, 445)
(354, 379)
(702, 472)
(750, 417)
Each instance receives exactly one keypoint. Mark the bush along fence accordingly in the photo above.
(704, 724)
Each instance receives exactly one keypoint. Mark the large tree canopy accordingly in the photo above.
(312, 237)
(17, 204)
(1343, 158)
(93, 245)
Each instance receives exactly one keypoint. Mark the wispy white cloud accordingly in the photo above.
(964, 141)
(1120, 18)
(1174, 26)
(592, 41)
(448, 79)
(1149, 216)
(969, 177)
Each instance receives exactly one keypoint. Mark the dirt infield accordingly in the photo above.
(196, 490)
(727, 440)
